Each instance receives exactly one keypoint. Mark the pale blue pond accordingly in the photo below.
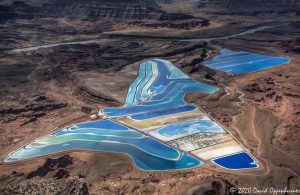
(182, 129)
(143, 82)
(133, 86)
(108, 136)
(95, 131)
(143, 160)
(237, 161)
(237, 62)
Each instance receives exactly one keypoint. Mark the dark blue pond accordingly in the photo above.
(237, 161)
(237, 62)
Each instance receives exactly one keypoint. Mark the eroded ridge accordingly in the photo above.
(155, 127)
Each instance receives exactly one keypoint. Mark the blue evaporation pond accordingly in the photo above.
(159, 85)
(132, 88)
(99, 132)
(102, 124)
(146, 152)
(237, 161)
(174, 88)
(173, 99)
(158, 113)
(242, 62)
(182, 129)
(143, 160)
(143, 82)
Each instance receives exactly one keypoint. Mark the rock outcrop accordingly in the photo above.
(99, 9)
(53, 165)
(72, 185)
(252, 7)
(17, 10)
(249, 5)
(29, 112)
(145, 13)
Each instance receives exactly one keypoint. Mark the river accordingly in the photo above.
(132, 38)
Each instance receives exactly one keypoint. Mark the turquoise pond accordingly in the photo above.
(146, 153)
(237, 62)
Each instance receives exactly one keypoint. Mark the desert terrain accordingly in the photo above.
(45, 89)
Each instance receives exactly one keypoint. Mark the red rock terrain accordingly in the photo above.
(44, 90)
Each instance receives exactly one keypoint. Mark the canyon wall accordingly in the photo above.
(248, 5)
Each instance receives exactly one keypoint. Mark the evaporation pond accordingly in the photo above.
(237, 161)
(236, 62)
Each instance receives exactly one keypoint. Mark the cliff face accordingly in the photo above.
(88, 9)
(249, 5)
(116, 9)
(130, 12)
